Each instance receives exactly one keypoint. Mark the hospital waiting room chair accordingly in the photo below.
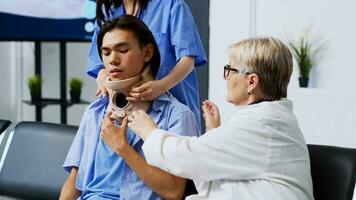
(333, 172)
(32, 154)
(31, 158)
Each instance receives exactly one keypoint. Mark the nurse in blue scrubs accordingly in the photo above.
(176, 34)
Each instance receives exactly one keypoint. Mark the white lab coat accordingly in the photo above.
(258, 154)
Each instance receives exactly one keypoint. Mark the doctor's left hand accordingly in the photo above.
(141, 123)
(113, 136)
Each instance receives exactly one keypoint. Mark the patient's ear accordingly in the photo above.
(148, 51)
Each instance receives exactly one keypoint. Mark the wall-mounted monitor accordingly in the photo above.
(47, 20)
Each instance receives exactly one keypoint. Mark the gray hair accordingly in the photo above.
(270, 59)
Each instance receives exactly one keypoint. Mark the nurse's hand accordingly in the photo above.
(113, 136)
(211, 115)
(100, 82)
(141, 123)
(147, 91)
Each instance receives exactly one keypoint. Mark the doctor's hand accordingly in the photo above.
(211, 115)
(147, 91)
(141, 123)
(100, 82)
(115, 137)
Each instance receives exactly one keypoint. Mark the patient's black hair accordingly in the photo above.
(140, 31)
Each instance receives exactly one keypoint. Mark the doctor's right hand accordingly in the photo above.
(141, 123)
(211, 115)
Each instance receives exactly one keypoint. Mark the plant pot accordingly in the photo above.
(303, 82)
(75, 96)
(35, 97)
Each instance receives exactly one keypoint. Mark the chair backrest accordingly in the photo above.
(32, 155)
(4, 124)
(333, 172)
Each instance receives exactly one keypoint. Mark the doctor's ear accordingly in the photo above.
(253, 79)
(148, 51)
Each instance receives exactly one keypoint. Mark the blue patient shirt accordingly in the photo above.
(102, 173)
(176, 34)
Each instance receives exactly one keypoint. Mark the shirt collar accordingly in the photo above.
(259, 101)
(159, 103)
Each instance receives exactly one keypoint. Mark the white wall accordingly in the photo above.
(232, 21)
(333, 20)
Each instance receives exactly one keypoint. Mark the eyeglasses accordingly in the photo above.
(228, 69)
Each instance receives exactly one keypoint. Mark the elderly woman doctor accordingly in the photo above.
(259, 153)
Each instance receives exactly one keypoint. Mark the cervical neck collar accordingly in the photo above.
(122, 86)
(118, 104)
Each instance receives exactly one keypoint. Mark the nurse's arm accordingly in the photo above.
(69, 191)
(182, 69)
(153, 89)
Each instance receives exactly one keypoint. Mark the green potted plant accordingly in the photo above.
(76, 85)
(305, 52)
(34, 84)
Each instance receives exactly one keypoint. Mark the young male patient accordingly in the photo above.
(111, 164)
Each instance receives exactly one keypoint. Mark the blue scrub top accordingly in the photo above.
(176, 34)
(102, 173)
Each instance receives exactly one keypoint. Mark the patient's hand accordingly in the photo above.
(141, 123)
(113, 136)
(211, 115)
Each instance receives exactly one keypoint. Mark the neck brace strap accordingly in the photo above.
(118, 104)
